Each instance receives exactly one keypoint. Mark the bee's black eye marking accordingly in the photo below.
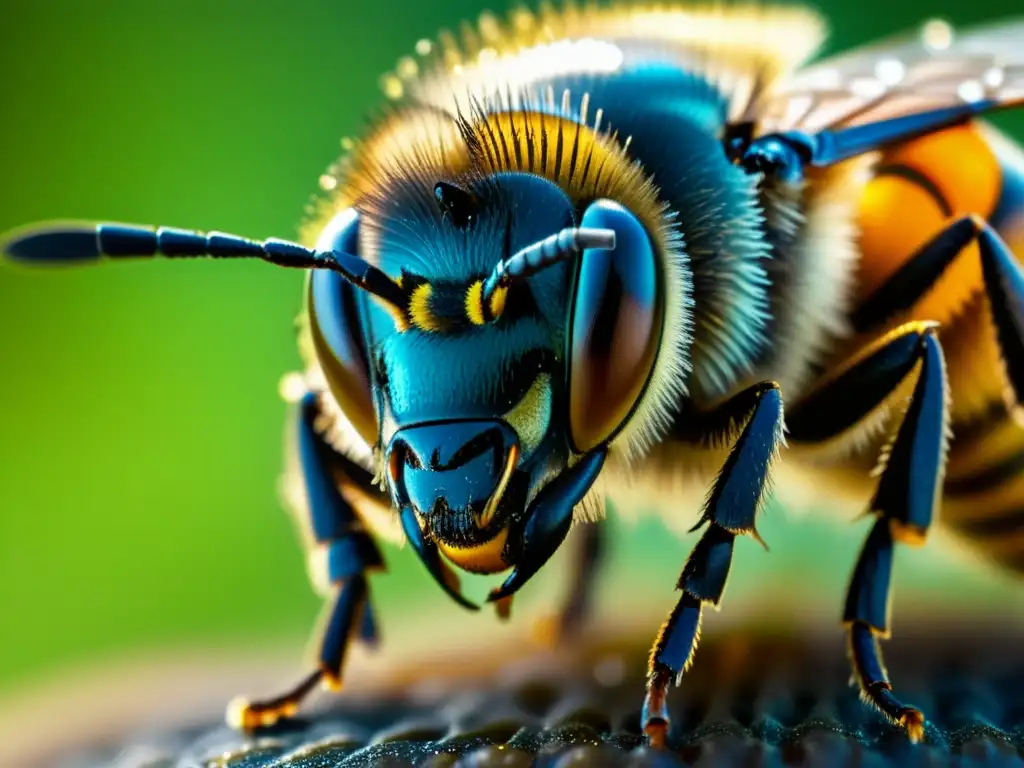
(457, 203)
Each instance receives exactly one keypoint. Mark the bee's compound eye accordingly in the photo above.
(615, 331)
(337, 332)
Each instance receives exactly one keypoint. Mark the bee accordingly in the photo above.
(588, 251)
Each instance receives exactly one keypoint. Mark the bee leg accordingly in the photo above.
(345, 552)
(866, 619)
(588, 552)
(1003, 279)
(911, 469)
(730, 510)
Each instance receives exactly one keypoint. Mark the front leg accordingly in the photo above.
(344, 552)
(730, 510)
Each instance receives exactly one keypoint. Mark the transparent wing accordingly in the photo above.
(935, 68)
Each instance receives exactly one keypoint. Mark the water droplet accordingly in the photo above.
(392, 86)
(867, 87)
(292, 387)
(407, 67)
(890, 71)
(970, 91)
(937, 35)
(994, 77)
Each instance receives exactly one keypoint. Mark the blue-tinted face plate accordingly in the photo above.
(494, 387)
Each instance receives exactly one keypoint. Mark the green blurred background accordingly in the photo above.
(141, 426)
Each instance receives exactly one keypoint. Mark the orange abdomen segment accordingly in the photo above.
(917, 189)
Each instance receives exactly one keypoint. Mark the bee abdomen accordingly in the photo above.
(917, 189)
(984, 488)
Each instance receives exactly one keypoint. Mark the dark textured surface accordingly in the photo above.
(745, 704)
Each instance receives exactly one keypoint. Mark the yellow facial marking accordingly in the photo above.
(530, 417)
(492, 503)
(475, 303)
(484, 558)
(498, 301)
(419, 309)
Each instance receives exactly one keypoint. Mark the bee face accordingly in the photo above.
(468, 435)
(471, 430)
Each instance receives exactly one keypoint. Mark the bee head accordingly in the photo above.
(467, 390)
(525, 340)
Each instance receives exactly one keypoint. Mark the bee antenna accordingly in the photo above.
(536, 257)
(82, 243)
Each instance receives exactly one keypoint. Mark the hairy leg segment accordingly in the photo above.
(730, 511)
(910, 484)
(1003, 286)
(346, 552)
(910, 472)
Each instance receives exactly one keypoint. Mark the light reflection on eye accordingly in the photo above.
(531, 416)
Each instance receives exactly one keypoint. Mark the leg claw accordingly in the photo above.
(244, 716)
(656, 732)
(912, 721)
